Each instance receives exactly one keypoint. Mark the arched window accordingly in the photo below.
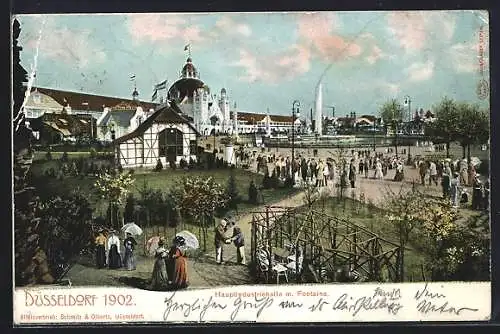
(170, 143)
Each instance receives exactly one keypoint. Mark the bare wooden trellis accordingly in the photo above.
(328, 245)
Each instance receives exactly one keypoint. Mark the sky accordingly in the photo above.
(267, 60)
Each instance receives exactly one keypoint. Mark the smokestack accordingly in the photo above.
(319, 111)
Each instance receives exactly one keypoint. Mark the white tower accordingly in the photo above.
(319, 111)
(224, 108)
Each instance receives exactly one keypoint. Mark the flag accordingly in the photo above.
(155, 94)
(187, 47)
(161, 85)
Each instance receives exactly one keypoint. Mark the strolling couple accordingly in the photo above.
(170, 268)
(221, 238)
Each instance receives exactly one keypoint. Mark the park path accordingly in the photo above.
(203, 271)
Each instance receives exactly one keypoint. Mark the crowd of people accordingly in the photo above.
(327, 171)
(109, 253)
(453, 176)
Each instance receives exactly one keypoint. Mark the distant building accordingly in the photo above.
(105, 110)
(211, 113)
(165, 135)
(54, 128)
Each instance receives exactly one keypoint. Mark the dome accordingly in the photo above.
(223, 91)
(189, 70)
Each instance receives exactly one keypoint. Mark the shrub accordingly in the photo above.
(266, 181)
(288, 182)
(159, 165)
(129, 212)
(192, 163)
(183, 163)
(232, 192)
(252, 193)
(275, 181)
(64, 157)
(93, 153)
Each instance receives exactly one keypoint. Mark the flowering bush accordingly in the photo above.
(114, 188)
(199, 198)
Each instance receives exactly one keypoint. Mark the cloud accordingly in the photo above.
(226, 25)
(375, 55)
(66, 45)
(420, 71)
(163, 27)
(414, 31)
(318, 31)
(274, 68)
(465, 57)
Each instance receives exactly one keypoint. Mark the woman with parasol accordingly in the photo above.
(129, 259)
(178, 264)
(159, 280)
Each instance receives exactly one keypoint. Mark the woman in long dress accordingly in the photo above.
(454, 189)
(100, 254)
(378, 170)
(179, 278)
(129, 259)
(159, 280)
(114, 257)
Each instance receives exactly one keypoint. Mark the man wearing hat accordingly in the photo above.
(220, 240)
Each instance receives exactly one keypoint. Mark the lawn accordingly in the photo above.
(163, 180)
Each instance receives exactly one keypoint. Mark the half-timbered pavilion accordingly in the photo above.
(165, 135)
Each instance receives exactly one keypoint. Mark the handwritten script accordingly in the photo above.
(429, 302)
(423, 301)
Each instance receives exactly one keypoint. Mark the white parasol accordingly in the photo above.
(475, 161)
(190, 239)
(152, 245)
(132, 228)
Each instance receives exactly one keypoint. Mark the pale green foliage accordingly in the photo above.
(200, 196)
(410, 209)
(115, 188)
(390, 111)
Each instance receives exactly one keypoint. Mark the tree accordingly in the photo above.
(129, 212)
(114, 188)
(391, 111)
(23, 153)
(199, 198)
(232, 192)
(445, 127)
(473, 126)
(253, 193)
(410, 210)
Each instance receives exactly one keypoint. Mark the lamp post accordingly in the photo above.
(113, 137)
(408, 102)
(295, 113)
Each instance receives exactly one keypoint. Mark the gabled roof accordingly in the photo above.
(121, 118)
(166, 114)
(254, 117)
(78, 100)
